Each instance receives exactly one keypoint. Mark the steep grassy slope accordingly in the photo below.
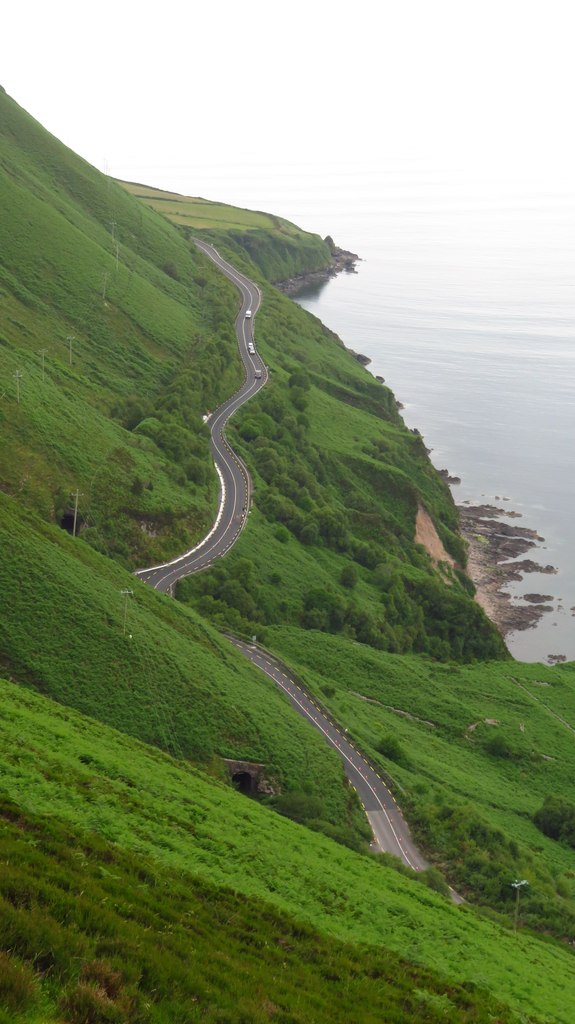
(89, 777)
(169, 679)
(123, 335)
(278, 248)
(339, 480)
(132, 941)
(474, 752)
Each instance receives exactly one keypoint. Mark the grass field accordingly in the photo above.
(130, 940)
(59, 764)
(276, 247)
(471, 799)
(204, 213)
(123, 335)
(171, 679)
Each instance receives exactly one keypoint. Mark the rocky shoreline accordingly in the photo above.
(341, 260)
(491, 545)
(494, 547)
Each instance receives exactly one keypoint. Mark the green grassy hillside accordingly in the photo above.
(131, 940)
(136, 331)
(116, 337)
(92, 779)
(473, 751)
(278, 248)
(124, 338)
(170, 679)
(338, 483)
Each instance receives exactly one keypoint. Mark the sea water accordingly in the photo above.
(464, 301)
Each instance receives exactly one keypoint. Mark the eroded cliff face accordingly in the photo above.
(428, 537)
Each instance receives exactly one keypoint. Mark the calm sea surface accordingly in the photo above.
(465, 303)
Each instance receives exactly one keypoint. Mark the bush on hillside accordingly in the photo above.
(349, 576)
(390, 747)
(482, 862)
(499, 745)
(556, 819)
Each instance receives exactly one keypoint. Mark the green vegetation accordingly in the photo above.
(169, 679)
(557, 819)
(473, 752)
(278, 248)
(336, 496)
(91, 779)
(100, 934)
(137, 884)
(119, 356)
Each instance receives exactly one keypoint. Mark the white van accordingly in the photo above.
(251, 348)
(248, 314)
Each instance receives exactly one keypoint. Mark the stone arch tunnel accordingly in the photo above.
(247, 776)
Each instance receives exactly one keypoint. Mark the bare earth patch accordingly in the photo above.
(428, 537)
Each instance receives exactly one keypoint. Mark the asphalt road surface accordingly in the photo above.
(235, 492)
(390, 830)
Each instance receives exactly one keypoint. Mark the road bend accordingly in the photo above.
(390, 830)
(234, 480)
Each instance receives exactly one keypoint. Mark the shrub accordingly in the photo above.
(435, 880)
(299, 806)
(499, 746)
(349, 576)
(556, 819)
(391, 748)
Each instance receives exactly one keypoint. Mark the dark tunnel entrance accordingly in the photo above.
(67, 521)
(243, 782)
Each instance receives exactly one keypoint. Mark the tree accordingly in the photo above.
(349, 576)
(556, 819)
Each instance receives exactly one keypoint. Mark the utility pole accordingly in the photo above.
(70, 338)
(42, 353)
(127, 593)
(17, 375)
(105, 280)
(517, 885)
(75, 496)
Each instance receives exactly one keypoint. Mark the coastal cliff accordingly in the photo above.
(342, 261)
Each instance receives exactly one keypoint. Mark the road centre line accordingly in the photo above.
(355, 768)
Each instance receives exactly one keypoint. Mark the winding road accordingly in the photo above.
(390, 830)
(234, 479)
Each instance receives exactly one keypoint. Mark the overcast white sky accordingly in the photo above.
(160, 92)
